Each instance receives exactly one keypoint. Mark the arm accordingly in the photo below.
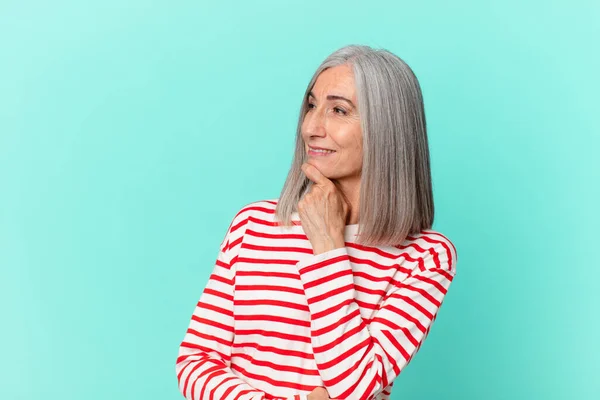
(204, 359)
(356, 360)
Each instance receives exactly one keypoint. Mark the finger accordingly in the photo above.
(314, 174)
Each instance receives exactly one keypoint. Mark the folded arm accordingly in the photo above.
(357, 360)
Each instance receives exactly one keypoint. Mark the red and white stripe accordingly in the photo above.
(275, 321)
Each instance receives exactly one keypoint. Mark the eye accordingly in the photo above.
(338, 110)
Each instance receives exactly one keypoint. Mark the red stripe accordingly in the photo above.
(347, 372)
(275, 350)
(266, 302)
(271, 288)
(396, 344)
(379, 266)
(212, 392)
(206, 337)
(413, 303)
(323, 263)
(372, 278)
(234, 243)
(375, 381)
(264, 235)
(393, 326)
(272, 274)
(274, 382)
(332, 310)
(407, 316)
(184, 357)
(376, 292)
(370, 306)
(205, 349)
(231, 388)
(221, 279)
(339, 340)
(208, 378)
(337, 361)
(436, 258)
(442, 242)
(446, 274)
(216, 293)
(435, 283)
(191, 362)
(390, 360)
(212, 323)
(207, 371)
(216, 309)
(272, 318)
(239, 224)
(279, 335)
(260, 261)
(277, 248)
(328, 278)
(374, 250)
(275, 366)
(242, 393)
(422, 292)
(331, 293)
(343, 320)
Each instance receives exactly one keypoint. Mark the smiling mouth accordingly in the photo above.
(321, 153)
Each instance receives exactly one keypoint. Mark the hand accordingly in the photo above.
(323, 212)
(319, 393)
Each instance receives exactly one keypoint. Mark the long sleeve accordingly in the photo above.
(204, 359)
(357, 360)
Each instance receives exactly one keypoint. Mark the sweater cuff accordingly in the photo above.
(317, 258)
(326, 276)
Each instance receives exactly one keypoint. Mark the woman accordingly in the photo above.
(329, 290)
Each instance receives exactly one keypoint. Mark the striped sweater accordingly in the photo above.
(275, 321)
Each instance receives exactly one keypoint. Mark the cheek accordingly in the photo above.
(358, 158)
(357, 145)
(358, 153)
(353, 154)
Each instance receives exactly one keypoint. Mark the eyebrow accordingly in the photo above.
(333, 97)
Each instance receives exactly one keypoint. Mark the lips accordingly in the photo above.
(319, 148)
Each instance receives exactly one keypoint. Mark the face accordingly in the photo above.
(332, 122)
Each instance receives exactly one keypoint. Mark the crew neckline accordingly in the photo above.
(349, 230)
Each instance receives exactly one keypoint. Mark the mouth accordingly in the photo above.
(319, 152)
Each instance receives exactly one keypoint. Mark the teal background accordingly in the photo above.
(132, 132)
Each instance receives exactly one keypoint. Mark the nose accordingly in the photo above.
(314, 123)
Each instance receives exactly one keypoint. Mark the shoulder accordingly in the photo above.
(259, 210)
(256, 210)
(435, 250)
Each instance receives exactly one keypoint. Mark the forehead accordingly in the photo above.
(338, 79)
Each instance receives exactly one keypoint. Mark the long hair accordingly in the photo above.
(396, 196)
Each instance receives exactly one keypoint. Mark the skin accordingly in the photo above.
(332, 201)
(319, 393)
